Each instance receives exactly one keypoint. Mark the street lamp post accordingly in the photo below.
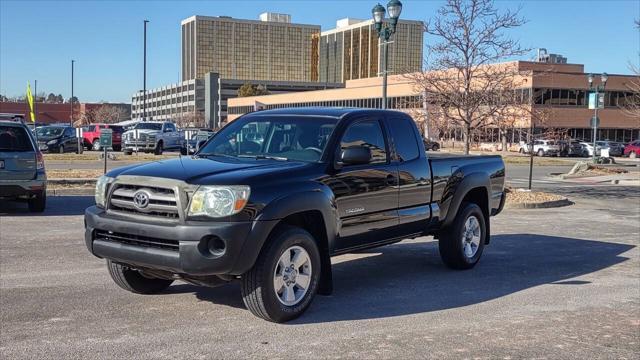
(144, 75)
(596, 90)
(385, 29)
(71, 100)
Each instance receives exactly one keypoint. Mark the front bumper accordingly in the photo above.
(139, 145)
(243, 241)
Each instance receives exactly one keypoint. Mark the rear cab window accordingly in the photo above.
(404, 138)
(14, 139)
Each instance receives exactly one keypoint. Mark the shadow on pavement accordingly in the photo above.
(56, 206)
(409, 278)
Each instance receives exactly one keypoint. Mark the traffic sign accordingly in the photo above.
(106, 136)
(596, 102)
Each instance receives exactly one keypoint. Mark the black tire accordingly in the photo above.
(435, 147)
(258, 290)
(127, 152)
(38, 203)
(184, 151)
(450, 243)
(158, 150)
(61, 149)
(117, 147)
(521, 151)
(540, 152)
(96, 145)
(134, 281)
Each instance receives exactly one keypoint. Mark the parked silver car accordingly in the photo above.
(22, 174)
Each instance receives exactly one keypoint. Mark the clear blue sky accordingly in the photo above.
(39, 38)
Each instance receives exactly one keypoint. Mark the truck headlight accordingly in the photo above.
(101, 190)
(219, 201)
(52, 142)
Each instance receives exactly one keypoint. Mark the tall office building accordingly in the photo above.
(351, 50)
(271, 48)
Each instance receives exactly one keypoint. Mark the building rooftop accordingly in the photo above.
(336, 112)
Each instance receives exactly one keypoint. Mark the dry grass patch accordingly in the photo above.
(74, 173)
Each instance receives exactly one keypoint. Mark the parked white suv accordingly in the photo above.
(150, 136)
(542, 147)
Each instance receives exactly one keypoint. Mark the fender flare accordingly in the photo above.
(470, 181)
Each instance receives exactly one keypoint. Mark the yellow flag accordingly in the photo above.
(30, 101)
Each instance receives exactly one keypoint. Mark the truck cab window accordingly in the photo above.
(404, 138)
(366, 133)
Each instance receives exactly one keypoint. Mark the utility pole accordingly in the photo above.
(71, 100)
(144, 75)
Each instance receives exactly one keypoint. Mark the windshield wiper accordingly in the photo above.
(213, 154)
(262, 156)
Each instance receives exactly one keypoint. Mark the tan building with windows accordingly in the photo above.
(559, 88)
(272, 48)
(352, 50)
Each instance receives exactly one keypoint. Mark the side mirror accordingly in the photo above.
(355, 155)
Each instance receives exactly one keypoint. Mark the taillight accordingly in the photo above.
(39, 161)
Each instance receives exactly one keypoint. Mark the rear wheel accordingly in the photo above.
(633, 155)
(133, 280)
(61, 149)
(96, 145)
(128, 152)
(461, 244)
(540, 152)
(435, 147)
(284, 279)
(38, 203)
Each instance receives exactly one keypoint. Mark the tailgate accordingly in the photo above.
(17, 165)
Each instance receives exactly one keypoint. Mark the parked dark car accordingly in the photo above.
(572, 148)
(57, 139)
(431, 145)
(196, 136)
(22, 174)
(271, 209)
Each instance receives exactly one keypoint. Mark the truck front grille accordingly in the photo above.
(161, 202)
(136, 240)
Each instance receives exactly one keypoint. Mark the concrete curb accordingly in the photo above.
(70, 191)
(542, 205)
(73, 181)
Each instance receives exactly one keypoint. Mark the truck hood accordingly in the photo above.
(194, 169)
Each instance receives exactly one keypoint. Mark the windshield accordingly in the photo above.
(286, 138)
(148, 126)
(49, 131)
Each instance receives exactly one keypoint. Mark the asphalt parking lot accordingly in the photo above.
(554, 283)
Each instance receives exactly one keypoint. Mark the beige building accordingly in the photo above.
(352, 50)
(561, 89)
(272, 48)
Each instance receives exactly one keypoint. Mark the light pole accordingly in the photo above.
(71, 100)
(596, 105)
(144, 75)
(385, 29)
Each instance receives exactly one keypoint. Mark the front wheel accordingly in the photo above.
(284, 279)
(461, 244)
(133, 280)
(540, 152)
(61, 149)
(158, 150)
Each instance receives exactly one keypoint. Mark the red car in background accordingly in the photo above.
(632, 149)
(91, 136)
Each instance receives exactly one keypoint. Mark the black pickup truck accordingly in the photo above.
(273, 195)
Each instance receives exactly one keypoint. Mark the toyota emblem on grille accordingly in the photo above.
(141, 199)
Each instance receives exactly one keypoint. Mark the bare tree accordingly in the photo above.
(462, 76)
(110, 114)
(192, 119)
